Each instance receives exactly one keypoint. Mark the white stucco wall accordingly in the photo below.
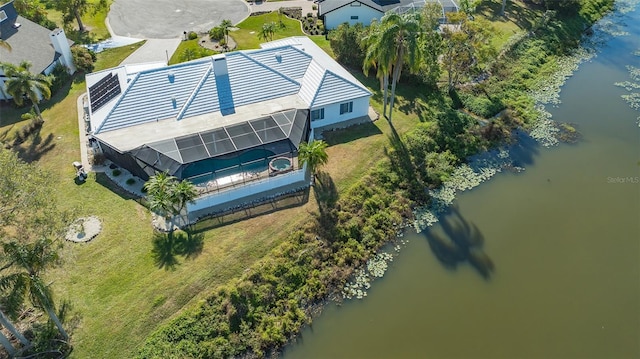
(332, 112)
(338, 16)
(250, 189)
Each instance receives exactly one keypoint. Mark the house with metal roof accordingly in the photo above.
(336, 12)
(31, 42)
(230, 123)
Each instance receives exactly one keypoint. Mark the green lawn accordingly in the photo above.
(200, 51)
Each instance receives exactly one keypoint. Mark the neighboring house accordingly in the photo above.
(31, 42)
(230, 123)
(336, 12)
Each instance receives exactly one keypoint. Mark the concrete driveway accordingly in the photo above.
(168, 19)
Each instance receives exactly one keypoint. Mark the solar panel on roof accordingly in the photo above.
(104, 91)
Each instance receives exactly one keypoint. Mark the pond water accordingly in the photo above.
(563, 237)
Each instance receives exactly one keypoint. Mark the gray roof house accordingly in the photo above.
(31, 42)
(336, 12)
(230, 123)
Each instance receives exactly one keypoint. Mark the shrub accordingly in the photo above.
(314, 7)
(113, 166)
(192, 35)
(83, 58)
(345, 43)
(131, 181)
(116, 173)
(60, 78)
(481, 105)
(216, 33)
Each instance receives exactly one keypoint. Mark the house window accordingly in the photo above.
(3, 15)
(317, 114)
(346, 107)
(354, 17)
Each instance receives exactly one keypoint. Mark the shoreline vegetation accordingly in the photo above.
(261, 311)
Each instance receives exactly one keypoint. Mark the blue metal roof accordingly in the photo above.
(193, 88)
(155, 95)
(287, 60)
(335, 89)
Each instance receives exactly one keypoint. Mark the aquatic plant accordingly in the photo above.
(375, 268)
(633, 98)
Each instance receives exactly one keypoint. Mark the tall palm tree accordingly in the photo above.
(314, 154)
(23, 280)
(380, 56)
(401, 32)
(393, 43)
(225, 25)
(20, 81)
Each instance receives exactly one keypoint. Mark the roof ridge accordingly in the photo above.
(130, 85)
(324, 76)
(194, 92)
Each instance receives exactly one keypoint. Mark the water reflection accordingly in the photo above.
(461, 242)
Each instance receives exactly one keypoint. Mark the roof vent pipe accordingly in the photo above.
(171, 76)
(279, 56)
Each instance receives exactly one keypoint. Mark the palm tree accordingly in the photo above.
(379, 56)
(393, 43)
(20, 81)
(268, 29)
(26, 264)
(314, 154)
(402, 33)
(159, 194)
(225, 25)
(183, 192)
(168, 197)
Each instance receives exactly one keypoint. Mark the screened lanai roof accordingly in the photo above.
(168, 155)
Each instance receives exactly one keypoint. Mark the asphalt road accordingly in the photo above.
(168, 19)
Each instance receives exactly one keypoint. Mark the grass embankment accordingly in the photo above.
(123, 286)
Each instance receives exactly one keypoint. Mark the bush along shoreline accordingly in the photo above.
(258, 313)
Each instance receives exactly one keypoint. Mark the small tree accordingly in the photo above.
(189, 54)
(225, 25)
(268, 30)
(314, 154)
(83, 58)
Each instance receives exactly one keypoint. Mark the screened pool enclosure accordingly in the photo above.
(228, 155)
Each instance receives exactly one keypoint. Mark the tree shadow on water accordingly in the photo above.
(168, 246)
(462, 242)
